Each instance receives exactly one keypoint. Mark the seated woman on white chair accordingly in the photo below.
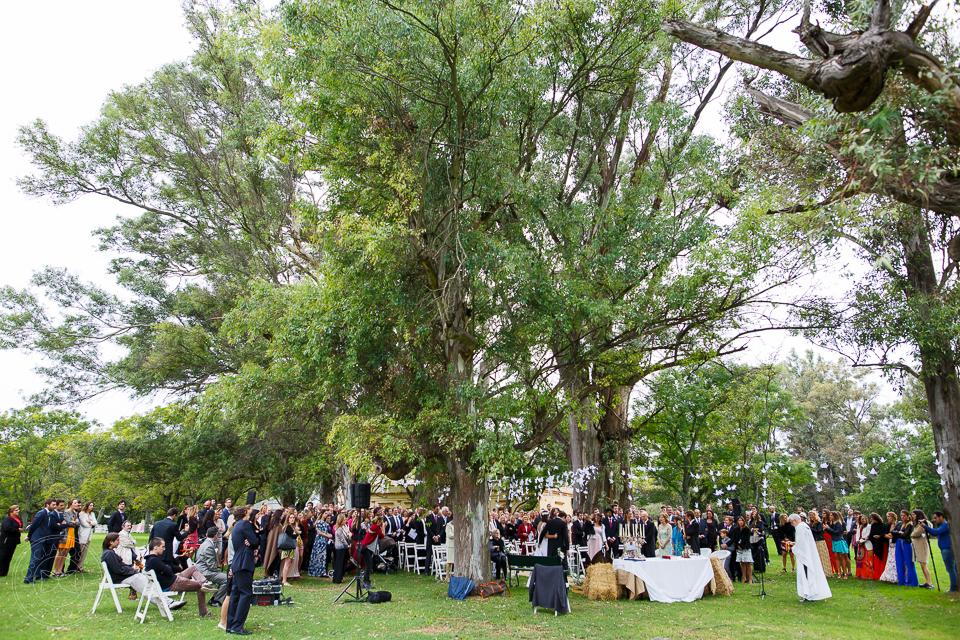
(122, 573)
(190, 579)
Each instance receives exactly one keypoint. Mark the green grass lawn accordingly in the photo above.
(420, 609)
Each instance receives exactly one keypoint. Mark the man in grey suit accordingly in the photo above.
(206, 561)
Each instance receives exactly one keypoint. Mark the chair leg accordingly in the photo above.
(145, 601)
(116, 600)
(97, 600)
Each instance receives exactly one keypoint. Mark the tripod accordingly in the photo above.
(358, 581)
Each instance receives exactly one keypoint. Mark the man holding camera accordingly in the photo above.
(942, 531)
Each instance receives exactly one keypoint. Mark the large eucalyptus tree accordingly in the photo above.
(876, 168)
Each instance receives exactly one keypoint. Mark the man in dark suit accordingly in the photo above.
(435, 533)
(692, 533)
(43, 543)
(555, 532)
(773, 526)
(117, 518)
(579, 535)
(166, 530)
(245, 540)
(394, 529)
(648, 545)
(611, 527)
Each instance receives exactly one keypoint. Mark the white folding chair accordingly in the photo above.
(575, 561)
(153, 593)
(531, 547)
(440, 562)
(108, 584)
(419, 562)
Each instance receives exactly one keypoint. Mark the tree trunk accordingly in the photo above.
(328, 491)
(347, 478)
(607, 447)
(615, 425)
(469, 498)
(938, 370)
(580, 422)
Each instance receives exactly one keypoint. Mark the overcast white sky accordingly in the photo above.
(61, 59)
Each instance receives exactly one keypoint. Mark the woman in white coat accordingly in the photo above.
(811, 580)
(451, 542)
(88, 523)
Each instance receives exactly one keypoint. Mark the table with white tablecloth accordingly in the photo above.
(671, 580)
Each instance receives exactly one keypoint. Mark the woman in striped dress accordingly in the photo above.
(816, 527)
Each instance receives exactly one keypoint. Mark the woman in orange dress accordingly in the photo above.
(68, 538)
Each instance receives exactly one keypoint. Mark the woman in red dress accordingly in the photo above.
(524, 533)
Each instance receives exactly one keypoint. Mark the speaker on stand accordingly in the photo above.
(360, 495)
(251, 497)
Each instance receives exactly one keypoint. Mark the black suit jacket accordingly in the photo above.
(167, 530)
(579, 535)
(649, 548)
(115, 523)
(434, 528)
(692, 534)
(243, 558)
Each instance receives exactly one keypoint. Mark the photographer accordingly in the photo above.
(942, 531)
(368, 546)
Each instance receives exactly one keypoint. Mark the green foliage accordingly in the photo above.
(709, 433)
(38, 453)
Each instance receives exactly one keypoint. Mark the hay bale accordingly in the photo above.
(601, 583)
(724, 586)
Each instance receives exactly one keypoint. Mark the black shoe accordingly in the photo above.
(214, 603)
(242, 632)
(177, 605)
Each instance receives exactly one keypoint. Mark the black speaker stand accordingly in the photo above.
(350, 597)
(361, 591)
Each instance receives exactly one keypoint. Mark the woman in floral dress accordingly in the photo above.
(318, 556)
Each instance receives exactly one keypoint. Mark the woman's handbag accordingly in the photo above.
(286, 542)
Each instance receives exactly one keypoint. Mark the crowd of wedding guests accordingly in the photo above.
(202, 548)
(887, 550)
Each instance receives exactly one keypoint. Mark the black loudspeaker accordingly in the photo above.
(251, 497)
(360, 495)
(378, 597)
(737, 509)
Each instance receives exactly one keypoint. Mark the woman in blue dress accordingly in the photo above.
(678, 540)
(318, 556)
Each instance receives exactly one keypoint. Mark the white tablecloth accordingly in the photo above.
(673, 580)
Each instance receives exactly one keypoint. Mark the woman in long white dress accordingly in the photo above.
(542, 547)
(890, 568)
